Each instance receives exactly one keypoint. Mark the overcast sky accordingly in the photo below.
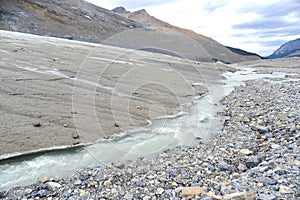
(259, 26)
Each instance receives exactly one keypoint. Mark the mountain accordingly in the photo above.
(80, 20)
(288, 49)
(72, 19)
(215, 50)
(148, 21)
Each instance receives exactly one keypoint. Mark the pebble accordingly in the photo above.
(119, 165)
(269, 135)
(269, 181)
(42, 179)
(36, 124)
(78, 182)
(260, 185)
(252, 161)
(160, 191)
(262, 129)
(241, 195)
(285, 190)
(75, 135)
(42, 193)
(223, 166)
(267, 197)
(246, 152)
(275, 146)
(28, 191)
(53, 185)
(128, 196)
(192, 191)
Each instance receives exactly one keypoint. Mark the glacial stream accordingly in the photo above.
(163, 133)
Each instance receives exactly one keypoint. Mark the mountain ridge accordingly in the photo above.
(217, 51)
(80, 20)
(288, 49)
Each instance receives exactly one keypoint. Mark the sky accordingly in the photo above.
(259, 26)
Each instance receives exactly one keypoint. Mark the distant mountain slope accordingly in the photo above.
(242, 52)
(289, 49)
(215, 50)
(72, 19)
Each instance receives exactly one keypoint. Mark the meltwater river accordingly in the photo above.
(199, 122)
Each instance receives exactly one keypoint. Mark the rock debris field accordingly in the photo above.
(255, 156)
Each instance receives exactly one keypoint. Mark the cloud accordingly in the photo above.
(253, 25)
(271, 23)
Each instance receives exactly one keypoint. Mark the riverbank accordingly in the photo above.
(256, 155)
(72, 93)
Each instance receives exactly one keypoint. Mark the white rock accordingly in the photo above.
(160, 191)
(53, 185)
(246, 152)
(285, 190)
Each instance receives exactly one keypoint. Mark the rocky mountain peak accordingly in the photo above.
(139, 13)
(120, 10)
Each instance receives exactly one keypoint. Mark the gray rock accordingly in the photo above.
(207, 198)
(116, 124)
(128, 196)
(75, 135)
(269, 135)
(263, 169)
(267, 197)
(242, 167)
(280, 172)
(269, 181)
(42, 186)
(293, 129)
(78, 182)
(178, 190)
(36, 124)
(76, 142)
(223, 189)
(223, 166)
(211, 167)
(261, 129)
(28, 191)
(66, 194)
(252, 161)
(275, 187)
(1, 194)
(43, 193)
(83, 177)
(121, 192)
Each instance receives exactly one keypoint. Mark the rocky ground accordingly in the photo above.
(255, 156)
